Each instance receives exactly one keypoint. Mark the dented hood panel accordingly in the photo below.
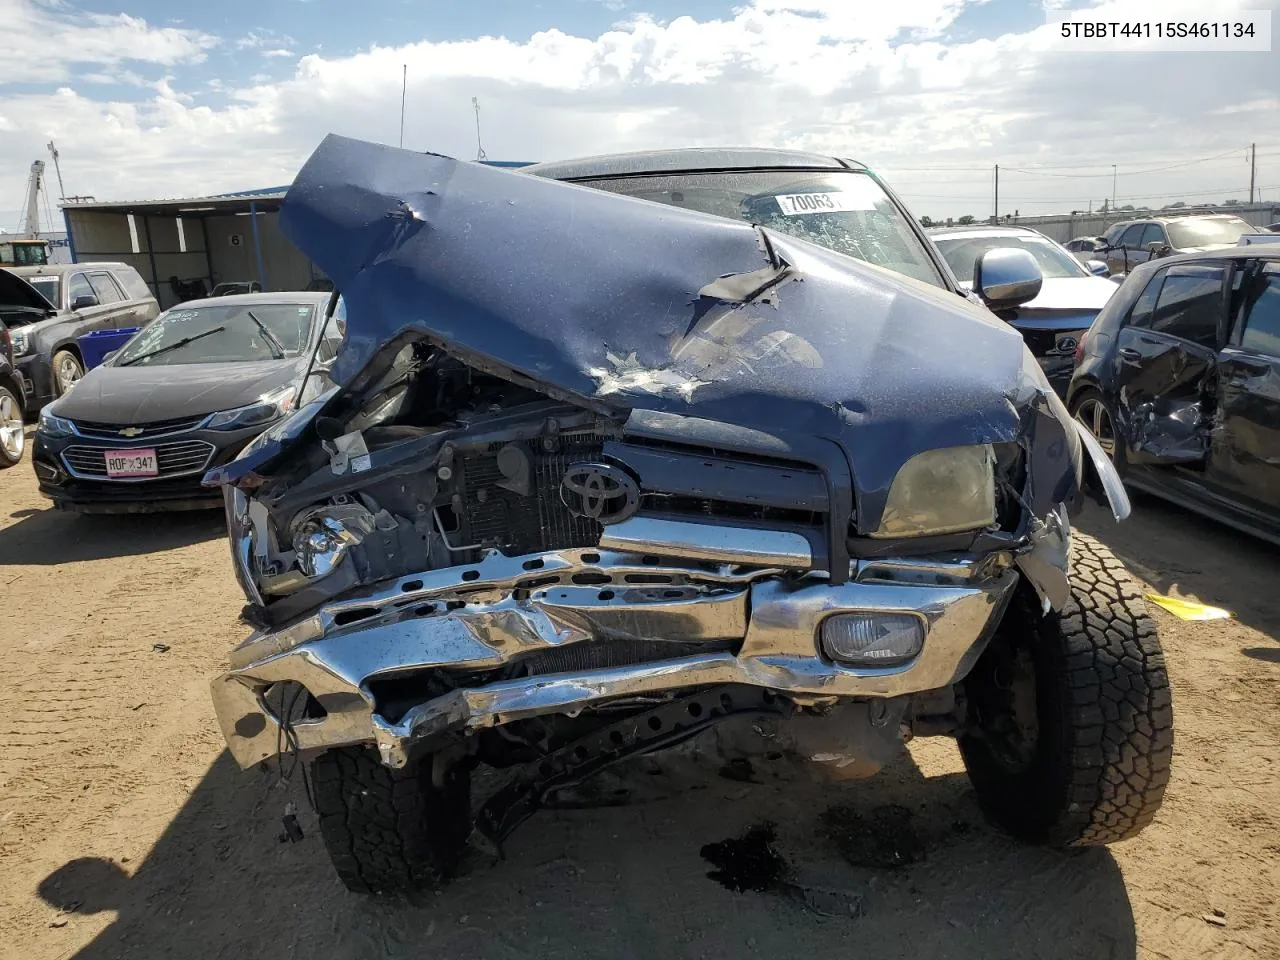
(635, 305)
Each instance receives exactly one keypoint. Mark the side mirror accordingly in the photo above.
(1006, 277)
(1098, 268)
(1157, 248)
(84, 302)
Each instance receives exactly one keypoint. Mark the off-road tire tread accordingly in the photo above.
(1106, 713)
(388, 830)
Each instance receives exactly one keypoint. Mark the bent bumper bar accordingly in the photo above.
(496, 613)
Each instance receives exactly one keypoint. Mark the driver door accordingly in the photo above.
(1121, 257)
(92, 314)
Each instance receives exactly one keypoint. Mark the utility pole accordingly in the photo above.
(1253, 168)
(996, 218)
(404, 86)
(1113, 186)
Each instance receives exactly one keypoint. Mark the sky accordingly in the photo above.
(148, 99)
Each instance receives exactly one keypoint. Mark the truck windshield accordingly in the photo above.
(844, 210)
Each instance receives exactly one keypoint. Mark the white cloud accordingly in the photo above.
(281, 52)
(795, 73)
(40, 42)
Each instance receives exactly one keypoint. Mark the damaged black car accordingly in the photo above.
(1179, 381)
(599, 474)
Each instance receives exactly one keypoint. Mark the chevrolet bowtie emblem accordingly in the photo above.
(131, 431)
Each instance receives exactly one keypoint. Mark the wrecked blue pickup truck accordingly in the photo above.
(597, 473)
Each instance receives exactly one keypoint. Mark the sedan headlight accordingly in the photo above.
(269, 408)
(54, 427)
(941, 491)
(21, 342)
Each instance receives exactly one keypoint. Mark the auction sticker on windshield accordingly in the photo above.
(795, 204)
(132, 463)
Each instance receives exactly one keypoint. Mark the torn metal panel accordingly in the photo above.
(1045, 564)
(635, 305)
(1177, 431)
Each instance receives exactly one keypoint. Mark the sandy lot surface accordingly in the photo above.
(127, 831)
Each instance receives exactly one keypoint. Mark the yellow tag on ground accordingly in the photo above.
(1189, 609)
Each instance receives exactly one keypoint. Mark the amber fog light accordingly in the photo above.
(872, 639)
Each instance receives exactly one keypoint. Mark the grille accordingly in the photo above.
(157, 428)
(172, 459)
(516, 524)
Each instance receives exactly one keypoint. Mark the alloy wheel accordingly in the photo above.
(1092, 414)
(12, 438)
(69, 374)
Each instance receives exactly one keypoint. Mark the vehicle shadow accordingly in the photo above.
(1180, 552)
(1266, 654)
(617, 882)
(48, 537)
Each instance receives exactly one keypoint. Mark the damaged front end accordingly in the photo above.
(573, 499)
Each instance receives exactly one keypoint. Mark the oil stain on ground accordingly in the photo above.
(882, 838)
(748, 862)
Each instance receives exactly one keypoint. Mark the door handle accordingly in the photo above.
(1130, 354)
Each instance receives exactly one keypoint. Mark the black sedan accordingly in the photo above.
(1179, 379)
(183, 395)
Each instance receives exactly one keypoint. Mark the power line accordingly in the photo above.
(1060, 200)
(1127, 173)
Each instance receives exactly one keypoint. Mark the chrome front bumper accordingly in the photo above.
(483, 616)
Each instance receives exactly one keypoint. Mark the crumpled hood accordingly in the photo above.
(142, 394)
(629, 304)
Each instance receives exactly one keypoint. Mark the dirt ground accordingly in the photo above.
(127, 831)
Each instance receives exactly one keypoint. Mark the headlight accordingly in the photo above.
(270, 407)
(54, 427)
(941, 491)
(21, 344)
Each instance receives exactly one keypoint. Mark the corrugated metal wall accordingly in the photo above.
(229, 255)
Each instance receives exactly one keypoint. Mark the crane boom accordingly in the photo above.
(34, 182)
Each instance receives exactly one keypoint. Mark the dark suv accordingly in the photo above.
(1179, 380)
(1131, 242)
(76, 298)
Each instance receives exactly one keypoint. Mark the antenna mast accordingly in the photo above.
(480, 154)
(404, 86)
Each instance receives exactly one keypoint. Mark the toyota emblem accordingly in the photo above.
(599, 492)
(1067, 344)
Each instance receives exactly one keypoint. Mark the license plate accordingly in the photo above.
(132, 463)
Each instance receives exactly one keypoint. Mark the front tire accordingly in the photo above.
(1070, 738)
(67, 371)
(390, 830)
